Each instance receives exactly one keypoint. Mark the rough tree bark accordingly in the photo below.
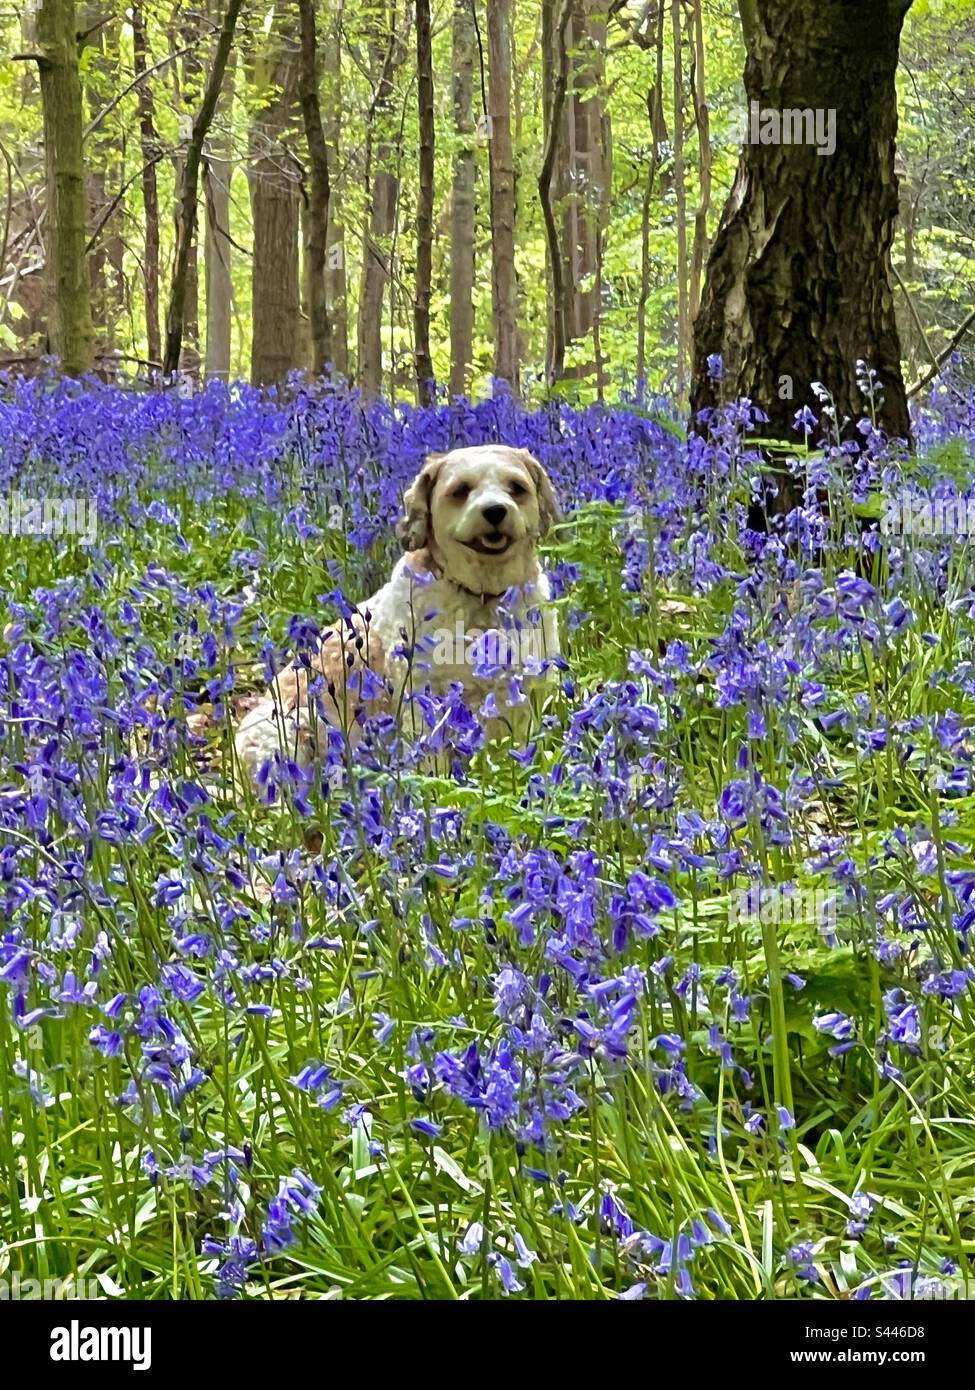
(798, 283)
(70, 323)
(186, 193)
(150, 150)
(316, 241)
(424, 206)
(504, 284)
(462, 201)
(275, 202)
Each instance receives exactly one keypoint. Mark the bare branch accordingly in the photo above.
(943, 356)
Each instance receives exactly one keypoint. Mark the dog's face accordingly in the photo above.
(480, 512)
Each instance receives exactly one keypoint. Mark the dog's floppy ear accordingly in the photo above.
(414, 529)
(549, 511)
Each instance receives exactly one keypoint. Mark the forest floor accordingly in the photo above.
(674, 1001)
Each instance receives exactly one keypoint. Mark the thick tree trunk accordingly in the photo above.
(318, 194)
(70, 324)
(504, 284)
(798, 284)
(149, 148)
(376, 243)
(462, 202)
(275, 204)
(424, 206)
(186, 193)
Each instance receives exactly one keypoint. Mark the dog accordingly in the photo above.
(467, 603)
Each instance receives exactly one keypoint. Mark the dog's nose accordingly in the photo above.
(495, 514)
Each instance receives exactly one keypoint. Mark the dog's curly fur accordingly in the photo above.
(472, 521)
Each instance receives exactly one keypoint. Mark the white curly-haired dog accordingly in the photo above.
(473, 519)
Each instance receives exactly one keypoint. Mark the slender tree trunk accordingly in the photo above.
(217, 176)
(597, 312)
(554, 29)
(798, 285)
(29, 294)
(149, 148)
(549, 63)
(189, 78)
(683, 300)
(275, 202)
(462, 202)
(376, 244)
(106, 257)
(186, 194)
(658, 135)
(70, 325)
(424, 206)
(504, 284)
(585, 167)
(703, 123)
(336, 284)
(318, 194)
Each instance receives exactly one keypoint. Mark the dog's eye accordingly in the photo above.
(461, 492)
(518, 490)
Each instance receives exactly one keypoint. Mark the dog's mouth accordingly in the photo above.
(494, 543)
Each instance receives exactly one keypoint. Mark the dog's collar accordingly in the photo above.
(438, 571)
(473, 592)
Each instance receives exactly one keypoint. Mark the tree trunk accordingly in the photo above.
(504, 284)
(189, 79)
(584, 168)
(336, 283)
(376, 243)
(149, 148)
(798, 285)
(462, 202)
(554, 26)
(702, 121)
(424, 207)
(683, 301)
(26, 295)
(318, 194)
(658, 136)
(218, 169)
(186, 193)
(275, 203)
(107, 253)
(70, 324)
(217, 175)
